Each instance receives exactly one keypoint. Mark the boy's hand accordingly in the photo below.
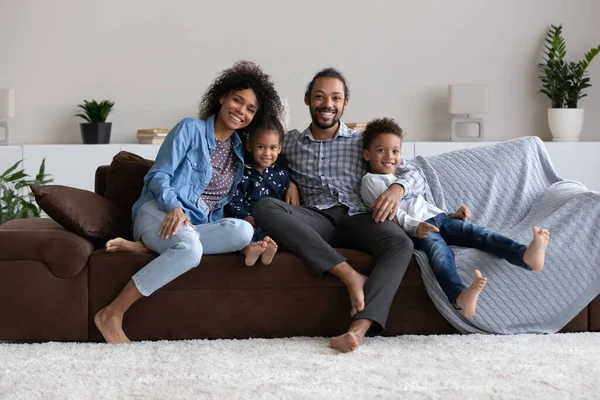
(250, 219)
(463, 213)
(387, 203)
(292, 196)
(424, 228)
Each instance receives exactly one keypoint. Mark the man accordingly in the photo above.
(325, 162)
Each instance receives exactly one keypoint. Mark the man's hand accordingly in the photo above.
(250, 219)
(387, 203)
(463, 213)
(292, 196)
(172, 221)
(424, 228)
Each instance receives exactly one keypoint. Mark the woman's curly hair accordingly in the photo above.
(243, 75)
(379, 126)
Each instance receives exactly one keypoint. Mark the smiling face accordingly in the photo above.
(265, 148)
(384, 154)
(238, 109)
(326, 102)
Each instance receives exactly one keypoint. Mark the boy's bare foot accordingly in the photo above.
(253, 251)
(269, 252)
(111, 327)
(535, 254)
(467, 300)
(347, 342)
(120, 244)
(355, 285)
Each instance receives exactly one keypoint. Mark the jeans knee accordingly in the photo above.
(241, 232)
(189, 250)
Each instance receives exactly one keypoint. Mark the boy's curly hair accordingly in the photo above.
(242, 75)
(379, 126)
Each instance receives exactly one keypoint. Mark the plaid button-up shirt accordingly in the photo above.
(329, 172)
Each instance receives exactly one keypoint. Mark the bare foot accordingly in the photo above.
(120, 244)
(467, 300)
(347, 342)
(535, 254)
(356, 286)
(270, 251)
(253, 251)
(111, 327)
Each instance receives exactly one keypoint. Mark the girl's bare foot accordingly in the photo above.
(535, 254)
(111, 327)
(467, 300)
(347, 342)
(120, 244)
(270, 251)
(253, 251)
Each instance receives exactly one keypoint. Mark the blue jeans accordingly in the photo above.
(466, 234)
(182, 251)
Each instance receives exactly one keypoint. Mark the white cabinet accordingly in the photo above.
(8, 156)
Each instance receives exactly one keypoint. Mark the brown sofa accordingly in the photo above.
(52, 282)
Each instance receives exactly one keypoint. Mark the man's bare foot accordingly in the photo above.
(111, 327)
(120, 244)
(356, 291)
(270, 251)
(347, 342)
(535, 254)
(253, 251)
(467, 300)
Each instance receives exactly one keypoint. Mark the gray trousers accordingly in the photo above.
(312, 234)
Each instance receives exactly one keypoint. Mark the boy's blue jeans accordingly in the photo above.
(466, 234)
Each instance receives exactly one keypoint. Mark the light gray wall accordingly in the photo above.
(156, 57)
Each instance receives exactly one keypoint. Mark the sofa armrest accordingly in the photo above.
(64, 253)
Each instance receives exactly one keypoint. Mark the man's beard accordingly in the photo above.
(315, 118)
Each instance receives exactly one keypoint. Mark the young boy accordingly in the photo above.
(432, 229)
(261, 179)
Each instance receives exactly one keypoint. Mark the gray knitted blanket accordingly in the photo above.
(510, 187)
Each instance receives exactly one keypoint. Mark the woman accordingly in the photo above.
(180, 211)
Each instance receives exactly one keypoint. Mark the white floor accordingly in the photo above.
(565, 366)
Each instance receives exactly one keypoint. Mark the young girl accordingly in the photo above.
(433, 229)
(261, 179)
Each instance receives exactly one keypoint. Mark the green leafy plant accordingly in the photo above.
(16, 200)
(564, 81)
(94, 112)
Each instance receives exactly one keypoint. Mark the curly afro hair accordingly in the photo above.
(242, 75)
(379, 126)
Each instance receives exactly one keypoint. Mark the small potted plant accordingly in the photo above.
(96, 130)
(563, 82)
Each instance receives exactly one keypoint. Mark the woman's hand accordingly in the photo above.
(172, 221)
(292, 196)
(424, 228)
(387, 203)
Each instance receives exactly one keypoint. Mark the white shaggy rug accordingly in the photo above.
(416, 367)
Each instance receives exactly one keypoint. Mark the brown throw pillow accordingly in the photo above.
(86, 213)
(125, 178)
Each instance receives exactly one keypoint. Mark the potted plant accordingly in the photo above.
(96, 130)
(16, 201)
(563, 82)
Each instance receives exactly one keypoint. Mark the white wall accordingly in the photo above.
(154, 58)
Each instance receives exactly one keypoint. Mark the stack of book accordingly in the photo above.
(152, 136)
(357, 126)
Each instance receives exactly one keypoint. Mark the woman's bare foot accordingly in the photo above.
(467, 300)
(347, 342)
(253, 251)
(535, 255)
(270, 251)
(120, 244)
(111, 327)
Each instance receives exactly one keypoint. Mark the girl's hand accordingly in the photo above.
(172, 221)
(292, 196)
(463, 213)
(424, 228)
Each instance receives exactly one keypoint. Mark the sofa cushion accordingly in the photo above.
(125, 178)
(83, 212)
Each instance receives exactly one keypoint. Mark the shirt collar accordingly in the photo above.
(343, 131)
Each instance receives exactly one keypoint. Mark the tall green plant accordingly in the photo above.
(563, 81)
(94, 112)
(16, 200)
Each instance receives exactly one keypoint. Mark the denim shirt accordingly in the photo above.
(182, 171)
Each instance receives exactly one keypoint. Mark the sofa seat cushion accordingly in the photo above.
(64, 253)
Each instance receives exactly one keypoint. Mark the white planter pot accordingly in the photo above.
(565, 123)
